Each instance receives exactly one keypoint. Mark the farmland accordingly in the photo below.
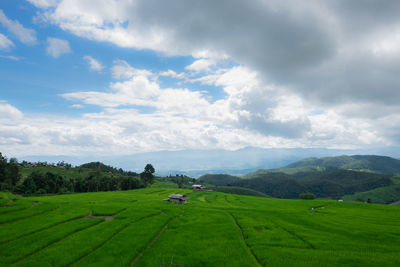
(136, 227)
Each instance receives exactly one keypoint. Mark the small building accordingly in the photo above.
(177, 198)
(198, 187)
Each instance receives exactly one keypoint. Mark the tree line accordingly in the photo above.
(100, 178)
(51, 183)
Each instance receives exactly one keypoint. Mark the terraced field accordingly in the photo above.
(136, 228)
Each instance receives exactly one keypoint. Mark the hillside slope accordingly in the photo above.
(382, 195)
(371, 163)
(329, 183)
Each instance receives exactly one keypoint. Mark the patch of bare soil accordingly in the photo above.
(107, 218)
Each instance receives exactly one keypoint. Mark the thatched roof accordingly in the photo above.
(178, 196)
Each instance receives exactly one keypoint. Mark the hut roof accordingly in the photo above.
(178, 196)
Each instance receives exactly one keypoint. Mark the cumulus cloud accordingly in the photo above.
(77, 106)
(173, 74)
(328, 52)
(251, 114)
(44, 3)
(25, 35)
(9, 112)
(5, 43)
(122, 70)
(248, 106)
(56, 47)
(201, 65)
(93, 63)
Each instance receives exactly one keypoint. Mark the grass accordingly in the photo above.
(18, 249)
(214, 229)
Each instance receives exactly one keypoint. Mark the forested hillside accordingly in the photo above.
(371, 163)
(334, 184)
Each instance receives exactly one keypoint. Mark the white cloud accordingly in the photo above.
(11, 57)
(122, 70)
(56, 47)
(8, 112)
(201, 65)
(5, 43)
(25, 35)
(93, 63)
(173, 74)
(269, 111)
(44, 3)
(77, 106)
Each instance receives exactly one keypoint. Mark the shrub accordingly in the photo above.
(307, 195)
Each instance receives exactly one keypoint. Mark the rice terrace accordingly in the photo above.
(136, 228)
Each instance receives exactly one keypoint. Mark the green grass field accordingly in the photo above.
(136, 228)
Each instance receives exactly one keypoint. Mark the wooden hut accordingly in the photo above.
(198, 187)
(177, 198)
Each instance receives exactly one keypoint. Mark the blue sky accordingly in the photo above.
(121, 77)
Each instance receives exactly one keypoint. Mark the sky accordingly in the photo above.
(118, 77)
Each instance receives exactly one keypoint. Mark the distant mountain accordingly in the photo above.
(194, 163)
(369, 163)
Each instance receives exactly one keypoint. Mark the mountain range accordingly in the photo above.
(331, 177)
(195, 163)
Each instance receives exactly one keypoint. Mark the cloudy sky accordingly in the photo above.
(116, 77)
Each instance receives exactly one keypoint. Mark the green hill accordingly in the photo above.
(383, 195)
(328, 183)
(218, 179)
(289, 171)
(138, 228)
(371, 163)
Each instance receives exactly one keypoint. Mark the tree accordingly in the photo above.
(13, 171)
(147, 175)
(179, 181)
(307, 196)
(3, 167)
